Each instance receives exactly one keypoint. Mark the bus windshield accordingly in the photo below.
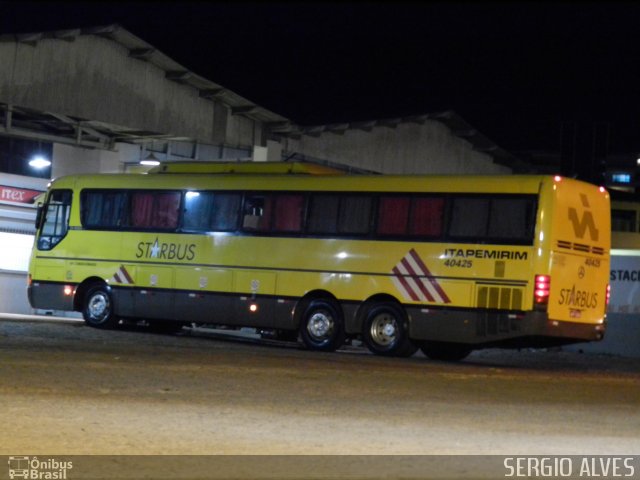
(55, 219)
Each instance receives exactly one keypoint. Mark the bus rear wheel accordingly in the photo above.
(447, 351)
(386, 331)
(97, 309)
(321, 326)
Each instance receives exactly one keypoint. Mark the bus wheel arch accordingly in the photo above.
(81, 291)
(385, 327)
(98, 309)
(320, 321)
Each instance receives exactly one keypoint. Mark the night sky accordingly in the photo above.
(516, 71)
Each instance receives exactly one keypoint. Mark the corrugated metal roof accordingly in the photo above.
(103, 135)
(144, 51)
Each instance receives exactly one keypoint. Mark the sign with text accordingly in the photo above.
(625, 284)
(18, 195)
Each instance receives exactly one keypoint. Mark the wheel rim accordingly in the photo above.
(384, 329)
(98, 307)
(320, 326)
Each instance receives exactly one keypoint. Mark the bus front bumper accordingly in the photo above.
(51, 295)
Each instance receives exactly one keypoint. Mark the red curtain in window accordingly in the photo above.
(393, 215)
(142, 210)
(427, 217)
(288, 213)
(165, 213)
(155, 210)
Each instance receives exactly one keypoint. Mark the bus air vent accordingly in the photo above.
(580, 247)
(563, 244)
(502, 298)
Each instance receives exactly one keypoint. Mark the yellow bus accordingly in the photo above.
(447, 264)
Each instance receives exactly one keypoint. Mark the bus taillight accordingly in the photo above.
(542, 289)
(608, 295)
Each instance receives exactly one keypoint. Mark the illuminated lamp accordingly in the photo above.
(39, 162)
(150, 161)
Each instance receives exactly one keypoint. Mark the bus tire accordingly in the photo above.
(447, 351)
(321, 326)
(386, 331)
(97, 308)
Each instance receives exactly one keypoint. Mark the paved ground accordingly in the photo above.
(66, 389)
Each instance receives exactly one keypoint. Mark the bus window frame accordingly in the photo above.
(487, 240)
(126, 225)
(51, 243)
(308, 197)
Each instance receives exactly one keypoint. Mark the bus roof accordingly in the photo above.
(506, 184)
(262, 168)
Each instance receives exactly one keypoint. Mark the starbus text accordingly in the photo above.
(166, 251)
(578, 298)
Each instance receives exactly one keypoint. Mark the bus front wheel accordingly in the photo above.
(386, 331)
(98, 308)
(321, 326)
(447, 351)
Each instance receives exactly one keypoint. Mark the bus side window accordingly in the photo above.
(323, 214)
(427, 216)
(226, 207)
(257, 213)
(469, 218)
(393, 215)
(158, 210)
(496, 219)
(55, 219)
(197, 211)
(355, 214)
(511, 219)
(103, 209)
(211, 211)
(288, 213)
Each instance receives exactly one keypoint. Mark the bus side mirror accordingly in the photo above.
(39, 216)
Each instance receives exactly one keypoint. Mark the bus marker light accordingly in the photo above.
(68, 290)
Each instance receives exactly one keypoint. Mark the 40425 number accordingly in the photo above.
(456, 263)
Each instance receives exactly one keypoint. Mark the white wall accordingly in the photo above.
(68, 159)
(408, 148)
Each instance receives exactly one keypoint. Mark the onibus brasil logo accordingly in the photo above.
(38, 469)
